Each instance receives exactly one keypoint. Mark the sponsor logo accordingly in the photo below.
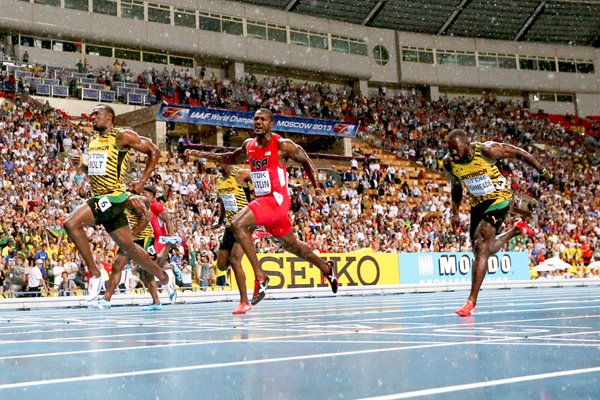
(98, 148)
(343, 129)
(175, 113)
(450, 265)
(291, 272)
(457, 267)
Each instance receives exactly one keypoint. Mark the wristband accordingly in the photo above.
(544, 172)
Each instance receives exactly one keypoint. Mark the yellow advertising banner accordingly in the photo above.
(359, 268)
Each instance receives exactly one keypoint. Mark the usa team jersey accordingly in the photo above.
(268, 177)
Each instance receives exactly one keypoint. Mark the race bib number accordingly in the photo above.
(104, 204)
(151, 251)
(97, 163)
(229, 202)
(480, 185)
(261, 182)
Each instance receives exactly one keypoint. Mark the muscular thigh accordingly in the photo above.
(273, 216)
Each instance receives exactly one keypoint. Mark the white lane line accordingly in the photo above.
(209, 366)
(154, 347)
(479, 385)
(542, 344)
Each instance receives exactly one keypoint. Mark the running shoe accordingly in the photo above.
(99, 305)
(242, 308)
(152, 307)
(331, 277)
(94, 288)
(177, 273)
(169, 240)
(525, 230)
(465, 311)
(171, 290)
(260, 290)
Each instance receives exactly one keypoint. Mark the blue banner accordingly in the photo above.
(456, 267)
(42, 90)
(107, 95)
(60, 91)
(89, 94)
(133, 98)
(244, 120)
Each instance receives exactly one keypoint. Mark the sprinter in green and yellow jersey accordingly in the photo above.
(234, 195)
(474, 165)
(108, 153)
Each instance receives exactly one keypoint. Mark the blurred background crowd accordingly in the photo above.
(366, 202)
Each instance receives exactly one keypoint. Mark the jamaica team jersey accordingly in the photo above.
(482, 179)
(107, 164)
(234, 197)
(134, 220)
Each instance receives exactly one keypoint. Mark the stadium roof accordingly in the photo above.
(575, 22)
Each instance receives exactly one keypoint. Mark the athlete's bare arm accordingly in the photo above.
(77, 161)
(128, 138)
(497, 151)
(137, 204)
(221, 214)
(456, 192)
(243, 177)
(236, 156)
(168, 222)
(288, 149)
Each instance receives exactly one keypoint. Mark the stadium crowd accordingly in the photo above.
(372, 205)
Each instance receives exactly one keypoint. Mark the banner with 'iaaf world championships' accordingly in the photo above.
(243, 120)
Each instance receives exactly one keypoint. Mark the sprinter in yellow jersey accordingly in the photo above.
(138, 213)
(234, 195)
(108, 151)
(473, 164)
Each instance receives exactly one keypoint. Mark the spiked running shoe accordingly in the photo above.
(99, 305)
(465, 311)
(242, 308)
(331, 277)
(170, 287)
(169, 240)
(94, 288)
(152, 307)
(260, 290)
(525, 230)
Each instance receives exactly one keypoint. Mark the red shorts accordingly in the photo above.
(272, 216)
(158, 247)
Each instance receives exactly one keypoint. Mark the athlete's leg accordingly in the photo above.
(80, 217)
(122, 237)
(223, 258)
(242, 221)
(115, 276)
(237, 253)
(502, 239)
(150, 284)
(485, 238)
(163, 256)
(301, 249)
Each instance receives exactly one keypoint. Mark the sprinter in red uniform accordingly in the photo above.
(268, 154)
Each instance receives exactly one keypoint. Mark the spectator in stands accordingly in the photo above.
(66, 287)
(564, 208)
(35, 280)
(26, 57)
